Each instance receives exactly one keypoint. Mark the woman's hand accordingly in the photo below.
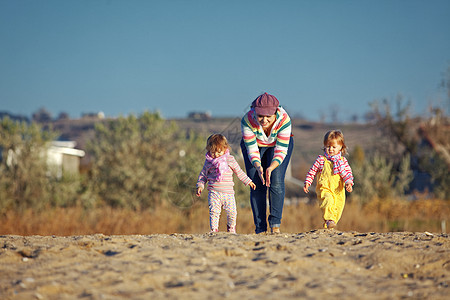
(260, 171)
(268, 173)
(269, 170)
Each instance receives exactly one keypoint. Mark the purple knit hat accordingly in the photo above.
(265, 105)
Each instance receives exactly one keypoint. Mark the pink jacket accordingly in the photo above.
(226, 184)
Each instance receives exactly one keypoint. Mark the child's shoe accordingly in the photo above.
(214, 230)
(231, 229)
(330, 224)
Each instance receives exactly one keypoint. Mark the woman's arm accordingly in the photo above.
(249, 137)
(284, 131)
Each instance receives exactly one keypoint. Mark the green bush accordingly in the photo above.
(140, 162)
(423, 140)
(23, 173)
(377, 177)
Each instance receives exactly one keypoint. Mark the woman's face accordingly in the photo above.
(266, 121)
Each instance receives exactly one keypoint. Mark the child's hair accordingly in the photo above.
(217, 142)
(335, 135)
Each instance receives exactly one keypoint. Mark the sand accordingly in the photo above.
(311, 265)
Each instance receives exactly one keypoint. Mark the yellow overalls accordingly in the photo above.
(331, 193)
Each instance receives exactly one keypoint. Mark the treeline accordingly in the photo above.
(143, 162)
(413, 157)
(137, 163)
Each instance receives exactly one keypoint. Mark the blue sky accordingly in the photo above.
(122, 57)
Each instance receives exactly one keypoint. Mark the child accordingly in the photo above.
(334, 172)
(218, 172)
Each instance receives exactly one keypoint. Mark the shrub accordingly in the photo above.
(23, 172)
(141, 161)
(377, 177)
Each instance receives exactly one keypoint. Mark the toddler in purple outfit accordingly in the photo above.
(218, 172)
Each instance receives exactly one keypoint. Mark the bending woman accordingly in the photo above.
(267, 145)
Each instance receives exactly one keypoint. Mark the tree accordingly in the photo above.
(63, 116)
(435, 152)
(138, 162)
(425, 141)
(42, 116)
(23, 172)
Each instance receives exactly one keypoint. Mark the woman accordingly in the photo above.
(267, 147)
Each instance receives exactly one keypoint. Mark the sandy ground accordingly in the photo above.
(310, 265)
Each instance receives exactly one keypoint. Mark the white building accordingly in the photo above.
(62, 157)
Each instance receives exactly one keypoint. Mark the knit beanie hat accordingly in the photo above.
(265, 105)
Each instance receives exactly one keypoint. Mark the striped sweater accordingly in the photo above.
(345, 171)
(254, 136)
(207, 174)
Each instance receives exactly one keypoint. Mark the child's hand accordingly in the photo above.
(252, 185)
(348, 187)
(199, 191)
(306, 188)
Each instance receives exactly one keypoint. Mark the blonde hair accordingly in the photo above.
(217, 142)
(338, 136)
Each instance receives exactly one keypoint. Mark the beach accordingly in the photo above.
(310, 265)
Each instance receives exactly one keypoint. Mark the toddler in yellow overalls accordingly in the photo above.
(334, 175)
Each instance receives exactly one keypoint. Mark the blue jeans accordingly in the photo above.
(258, 197)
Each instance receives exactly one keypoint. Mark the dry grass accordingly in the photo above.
(378, 216)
